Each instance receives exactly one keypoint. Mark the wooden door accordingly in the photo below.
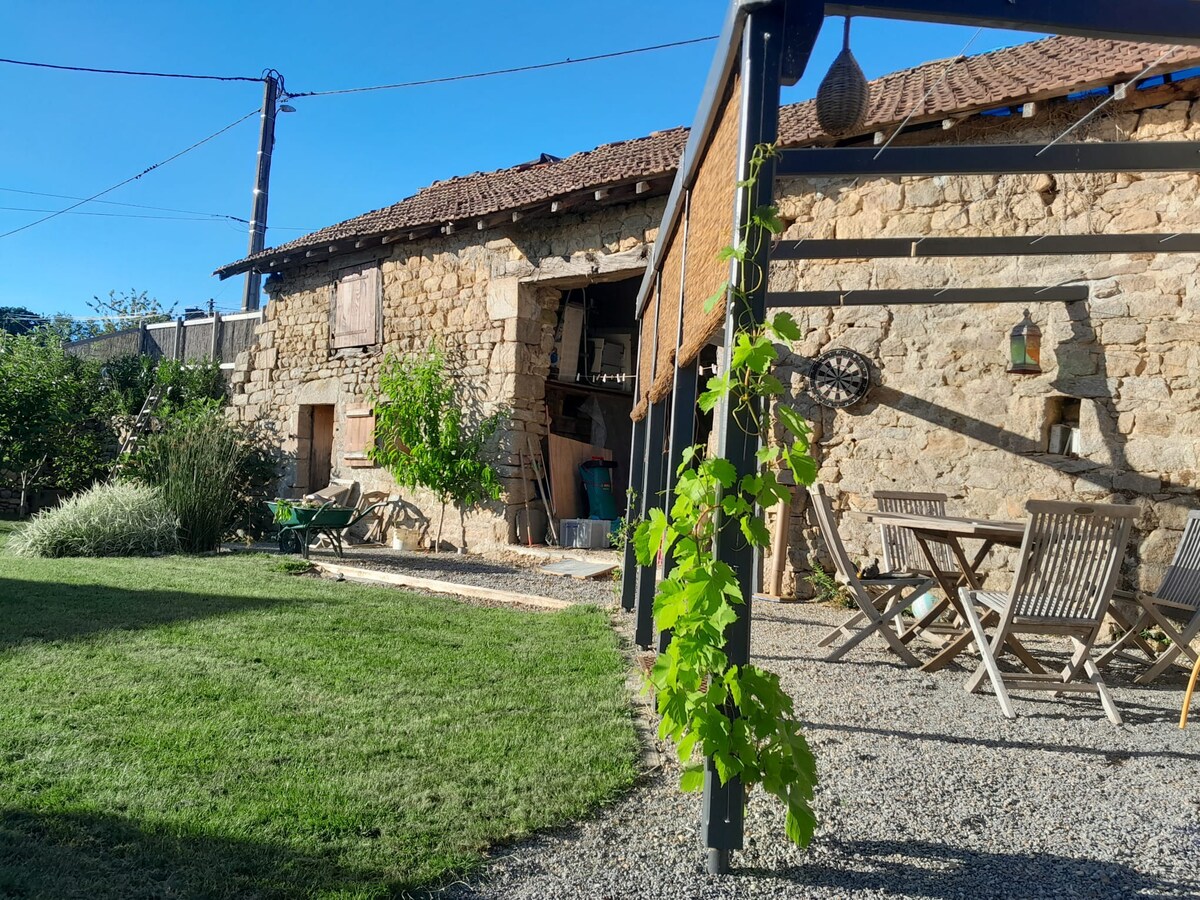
(320, 458)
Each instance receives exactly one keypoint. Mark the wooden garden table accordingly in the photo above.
(951, 531)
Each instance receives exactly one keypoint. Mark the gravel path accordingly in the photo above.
(521, 576)
(926, 792)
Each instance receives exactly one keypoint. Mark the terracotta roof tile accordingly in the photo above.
(1047, 68)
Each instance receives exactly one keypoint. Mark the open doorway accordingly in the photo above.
(314, 447)
(589, 397)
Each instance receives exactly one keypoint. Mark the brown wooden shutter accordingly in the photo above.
(360, 434)
(356, 304)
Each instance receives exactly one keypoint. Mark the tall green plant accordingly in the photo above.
(423, 439)
(738, 716)
(208, 470)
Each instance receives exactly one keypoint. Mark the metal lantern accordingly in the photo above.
(843, 97)
(1026, 347)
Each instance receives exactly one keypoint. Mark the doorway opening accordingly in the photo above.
(314, 447)
(589, 396)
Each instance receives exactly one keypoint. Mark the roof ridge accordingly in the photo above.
(998, 77)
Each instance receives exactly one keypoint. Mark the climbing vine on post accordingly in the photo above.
(737, 715)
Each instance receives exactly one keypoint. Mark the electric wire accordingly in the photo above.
(90, 70)
(509, 71)
(147, 170)
(185, 214)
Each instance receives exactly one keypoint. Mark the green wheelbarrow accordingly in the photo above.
(305, 524)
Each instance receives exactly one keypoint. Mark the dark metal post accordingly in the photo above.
(682, 434)
(262, 184)
(633, 509)
(763, 40)
(652, 487)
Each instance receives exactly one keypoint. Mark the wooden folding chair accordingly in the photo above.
(1174, 608)
(901, 553)
(1187, 695)
(1064, 581)
(879, 600)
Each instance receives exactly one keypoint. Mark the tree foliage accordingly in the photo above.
(423, 438)
(120, 311)
(53, 428)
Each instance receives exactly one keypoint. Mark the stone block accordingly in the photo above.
(503, 298)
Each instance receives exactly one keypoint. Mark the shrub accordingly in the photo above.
(111, 519)
(212, 472)
(422, 436)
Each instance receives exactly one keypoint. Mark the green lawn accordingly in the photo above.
(212, 727)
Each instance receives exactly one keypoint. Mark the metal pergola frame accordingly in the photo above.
(768, 43)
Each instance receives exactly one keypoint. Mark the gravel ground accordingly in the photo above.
(521, 576)
(925, 792)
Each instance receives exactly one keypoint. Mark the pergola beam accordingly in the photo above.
(990, 159)
(1026, 245)
(1164, 21)
(1070, 293)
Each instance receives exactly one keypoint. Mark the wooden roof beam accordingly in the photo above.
(1026, 245)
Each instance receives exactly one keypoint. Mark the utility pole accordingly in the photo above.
(262, 185)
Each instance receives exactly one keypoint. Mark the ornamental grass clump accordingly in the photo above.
(113, 519)
(202, 463)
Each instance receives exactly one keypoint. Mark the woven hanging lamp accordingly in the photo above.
(843, 96)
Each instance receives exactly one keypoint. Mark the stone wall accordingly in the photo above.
(943, 414)
(488, 298)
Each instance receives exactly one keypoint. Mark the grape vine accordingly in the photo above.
(737, 715)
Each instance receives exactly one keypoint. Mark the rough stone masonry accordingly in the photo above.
(943, 413)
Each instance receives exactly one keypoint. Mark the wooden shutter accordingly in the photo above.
(356, 305)
(360, 434)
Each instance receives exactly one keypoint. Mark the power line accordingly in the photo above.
(41, 65)
(190, 212)
(148, 169)
(115, 215)
(186, 214)
(510, 71)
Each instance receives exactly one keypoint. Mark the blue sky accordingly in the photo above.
(74, 134)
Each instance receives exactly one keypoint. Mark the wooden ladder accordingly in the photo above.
(142, 422)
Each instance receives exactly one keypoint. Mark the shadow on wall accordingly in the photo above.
(1080, 370)
(104, 856)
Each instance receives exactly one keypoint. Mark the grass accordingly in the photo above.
(214, 727)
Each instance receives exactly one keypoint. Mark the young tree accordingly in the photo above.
(421, 437)
(51, 428)
(122, 310)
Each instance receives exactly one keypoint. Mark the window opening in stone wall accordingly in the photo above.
(354, 310)
(1062, 433)
(589, 398)
(360, 434)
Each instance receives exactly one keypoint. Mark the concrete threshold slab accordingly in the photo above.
(433, 586)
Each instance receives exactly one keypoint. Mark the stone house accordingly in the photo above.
(502, 266)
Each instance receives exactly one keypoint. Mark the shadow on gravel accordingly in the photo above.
(998, 744)
(446, 562)
(937, 871)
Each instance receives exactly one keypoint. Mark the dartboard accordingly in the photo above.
(839, 378)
